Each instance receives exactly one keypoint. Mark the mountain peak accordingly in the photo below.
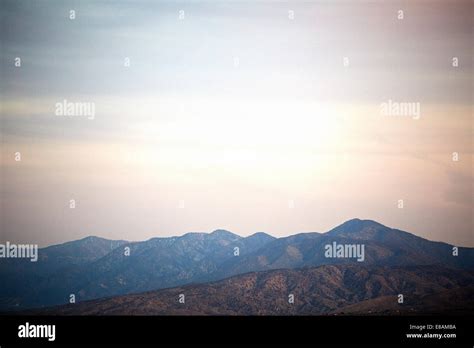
(224, 234)
(261, 234)
(357, 225)
(91, 238)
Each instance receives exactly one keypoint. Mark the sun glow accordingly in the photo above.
(208, 132)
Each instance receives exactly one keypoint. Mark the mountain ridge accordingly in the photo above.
(94, 270)
(351, 222)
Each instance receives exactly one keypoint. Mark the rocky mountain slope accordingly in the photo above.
(323, 290)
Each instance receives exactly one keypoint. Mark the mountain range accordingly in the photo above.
(94, 268)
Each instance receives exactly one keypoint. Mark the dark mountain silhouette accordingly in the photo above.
(324, 290)
(166, 262)
(104, 269)
(56, 257)
(22, 279)
(95, 268)
(383, 246)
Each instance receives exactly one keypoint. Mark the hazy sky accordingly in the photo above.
(248, 116)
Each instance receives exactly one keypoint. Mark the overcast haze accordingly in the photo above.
(235, 117)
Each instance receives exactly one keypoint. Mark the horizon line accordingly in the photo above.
(253, 234)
